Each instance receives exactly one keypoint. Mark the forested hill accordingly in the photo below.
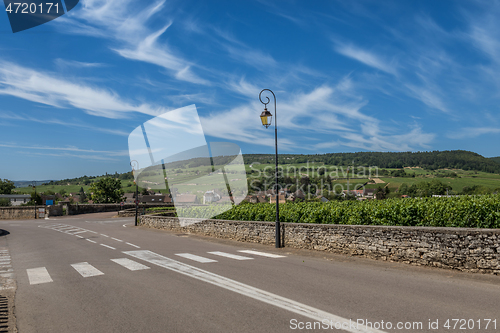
(496, 159)
(454, 159)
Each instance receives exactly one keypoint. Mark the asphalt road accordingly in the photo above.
(94, 273)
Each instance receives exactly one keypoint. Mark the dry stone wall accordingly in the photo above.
(17, 213)
(473, 250)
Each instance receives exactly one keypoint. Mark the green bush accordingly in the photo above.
(464, 211)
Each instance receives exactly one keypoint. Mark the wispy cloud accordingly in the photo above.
(472, 132)
(67, 149)
(75, 123)
(125, 22)
(77, 64)
(47, 88)
(366, 57)
(323, 110)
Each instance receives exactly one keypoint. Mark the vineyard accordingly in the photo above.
(465, 211)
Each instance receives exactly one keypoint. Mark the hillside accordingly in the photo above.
(496, 159)
(454, 159)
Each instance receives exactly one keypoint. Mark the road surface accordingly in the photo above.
(95, 273)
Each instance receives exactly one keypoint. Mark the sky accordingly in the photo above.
(348, 76)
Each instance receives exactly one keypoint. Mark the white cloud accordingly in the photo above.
(303, 116)
(48, 89)
(68, 149)
(76, 123)
(77, 64)
(366, 57)
(472, 132)
(126, 23)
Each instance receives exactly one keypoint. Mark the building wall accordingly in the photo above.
(472, 250)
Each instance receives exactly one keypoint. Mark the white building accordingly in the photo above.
(16, 199)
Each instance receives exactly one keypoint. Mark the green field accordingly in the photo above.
(192, 183)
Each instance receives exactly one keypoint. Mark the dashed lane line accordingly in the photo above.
(110, 247)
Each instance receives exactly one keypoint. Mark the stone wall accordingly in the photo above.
(473, 250)
(18, 213)
(75, 209)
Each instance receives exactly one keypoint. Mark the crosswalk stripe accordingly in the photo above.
(249, 291)
(130, 264)
(195, 257)
(229, 255)
(263, 254)
(86, 270)
(38, 275)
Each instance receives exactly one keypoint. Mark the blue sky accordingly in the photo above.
(348, 76)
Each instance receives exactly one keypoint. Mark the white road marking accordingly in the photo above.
(130, 264)
(90, 240)
(110, 247)
(104, 235)
(249, 291)
(79, 232)
(86, 270)
(116, 239)
(78, 236)
(257, 253)
(132, 245)
(91, 231)
(62, 229)
(229, 255)
(71, 231)
(38, 275)
(195, 257)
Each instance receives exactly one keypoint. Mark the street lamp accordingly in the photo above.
(134, 164)
(33, 184)
(266, 118)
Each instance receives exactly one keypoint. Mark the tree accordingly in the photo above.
(107, 190)
(6, 186)
(35, 198)
(62, 192)
(145, 191)
(83, 196)
(5, 202)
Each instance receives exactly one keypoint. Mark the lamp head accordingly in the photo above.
(266, 118)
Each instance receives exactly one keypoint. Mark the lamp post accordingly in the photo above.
(34, 187)
(133, 164)
(266, 118)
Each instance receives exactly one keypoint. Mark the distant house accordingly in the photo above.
(16, 199)
(259, 198)
(129, 198)
(186, 199)
(155, 199)
(356, 193)
(369, 193)
(48, 200)
(281, 198)
(211, 196)
(297, 196)
(322, 198)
